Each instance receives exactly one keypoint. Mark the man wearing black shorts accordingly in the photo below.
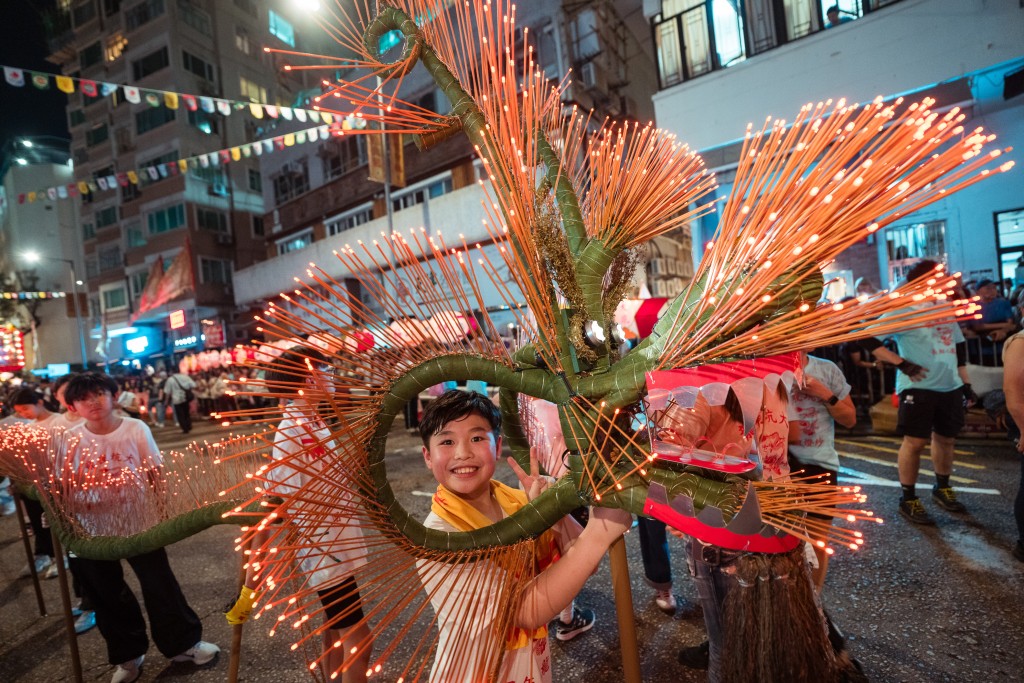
(933, 388)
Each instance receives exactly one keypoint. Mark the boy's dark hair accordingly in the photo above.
(26, 396)
(920, 269)
(454, 405)
(290, 369)
(88, 384)
(62, 380)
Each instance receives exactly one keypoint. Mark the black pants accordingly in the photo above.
(183, 411)
(44, 542)
(174, 624)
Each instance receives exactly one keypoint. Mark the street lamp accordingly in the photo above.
(35, 257)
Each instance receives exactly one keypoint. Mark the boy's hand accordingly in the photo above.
(609, 522)
(533, 483)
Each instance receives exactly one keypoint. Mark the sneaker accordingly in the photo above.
(582, 621)
(1018, 551)
(913, 510)
(52, 572)
(666, 602)
(697, 657)
(42, 563)
(129, 671)
(199, 654)
(85, 622)
(946, 498)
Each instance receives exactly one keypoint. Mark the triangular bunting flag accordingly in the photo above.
(271, 110)
(256, 110)
(257, 149)
(93, 188)
(206, 104)
(133, 177)
(204, 161)
(324, 132)
(225, 156)
(102, 182)
(72, 190)
(183, 165)
(300, 115)
(300, 137)
(51, 193)
(279, 142)
(83, 187)
(153, 173)
(171, 100)
(15, 77)
(328, 118)
(172, 167)
(107, 88)
(286, 113)
(190, 102)
(246, 151)
(289, 139)
(161, 171)
(268, 145)
(62, 192)
(65, 84)
(224, 107)
(122, 179)
(132, 94)
(21, 197)
(89, 88)
(31, 197)
(236, 154)
(152, 99)
(111, 181)
(41, 81)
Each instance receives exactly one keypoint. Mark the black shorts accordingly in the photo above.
(823, 475)
(923, 411)
(342, 602)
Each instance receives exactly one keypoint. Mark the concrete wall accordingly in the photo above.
(904, 47)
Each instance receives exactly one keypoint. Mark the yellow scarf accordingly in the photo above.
(464, 517)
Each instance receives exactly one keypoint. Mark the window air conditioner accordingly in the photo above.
(219, 189)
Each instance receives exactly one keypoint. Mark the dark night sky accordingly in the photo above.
(27, 111)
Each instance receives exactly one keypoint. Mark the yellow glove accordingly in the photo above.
(242, 608)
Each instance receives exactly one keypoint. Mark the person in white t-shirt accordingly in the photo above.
(301, 439)
(118, 452)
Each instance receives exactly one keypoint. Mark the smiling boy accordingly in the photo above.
(461, 434)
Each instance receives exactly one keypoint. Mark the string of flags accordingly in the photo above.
(33, 295)
(146, 175)
(18, 78)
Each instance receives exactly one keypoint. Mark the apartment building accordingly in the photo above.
(204, 48)
(322, 199)
(724, 64)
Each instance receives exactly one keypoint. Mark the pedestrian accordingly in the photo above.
(814, 408)
(933, 387)
(178, 389)
(299, 442)
(461, 433)
(109, 448)
(157, 403)
(1013, 387)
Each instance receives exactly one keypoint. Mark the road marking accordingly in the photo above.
(853, 476)
(897, 450)
(889, 463)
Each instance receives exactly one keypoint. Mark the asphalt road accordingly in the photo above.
(918, 604)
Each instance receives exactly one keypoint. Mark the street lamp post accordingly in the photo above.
(33, 257)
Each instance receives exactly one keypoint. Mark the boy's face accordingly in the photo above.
(462, 456)
(96, 406)
(29, 411)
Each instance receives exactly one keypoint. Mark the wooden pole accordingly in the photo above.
(624, 610)
(65, 598)
(23, 526)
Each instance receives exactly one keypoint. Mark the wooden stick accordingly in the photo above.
(624, 611)
(65, 599)
(235, 660)
(23, 527)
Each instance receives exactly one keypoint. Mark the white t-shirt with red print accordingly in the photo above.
(817, 441)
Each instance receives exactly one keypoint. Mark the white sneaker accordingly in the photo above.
(53, 569)
(128, 671)
(199, 654)
(42, 563)
(666, 601)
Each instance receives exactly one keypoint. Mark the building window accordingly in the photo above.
(204, 122)
(198, 66)
(153, 117)
(166, 219)
(115, 47)
(194, 17)
(257, 226)
(83, 13)
(90, 55)
(281, 28)
(114, 299)
(138, 281)
(88, 230)
(214, 221)
(295, 242)
(252, 91)
(1010, 244)
(130, 192)
(291, 182)
(408, 199)
(242, 40)
(247, 6)
(440, 187)
(134, 236)
(255, 180)
(76, 117)
(349, 220)
(110, 258)
(344, 154)
(143, 13)
(106, 216)
(214, 271)
(111, 7)
(97, 135)
(908, 244)
(151, 63)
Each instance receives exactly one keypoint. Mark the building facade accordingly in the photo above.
(724, 64)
